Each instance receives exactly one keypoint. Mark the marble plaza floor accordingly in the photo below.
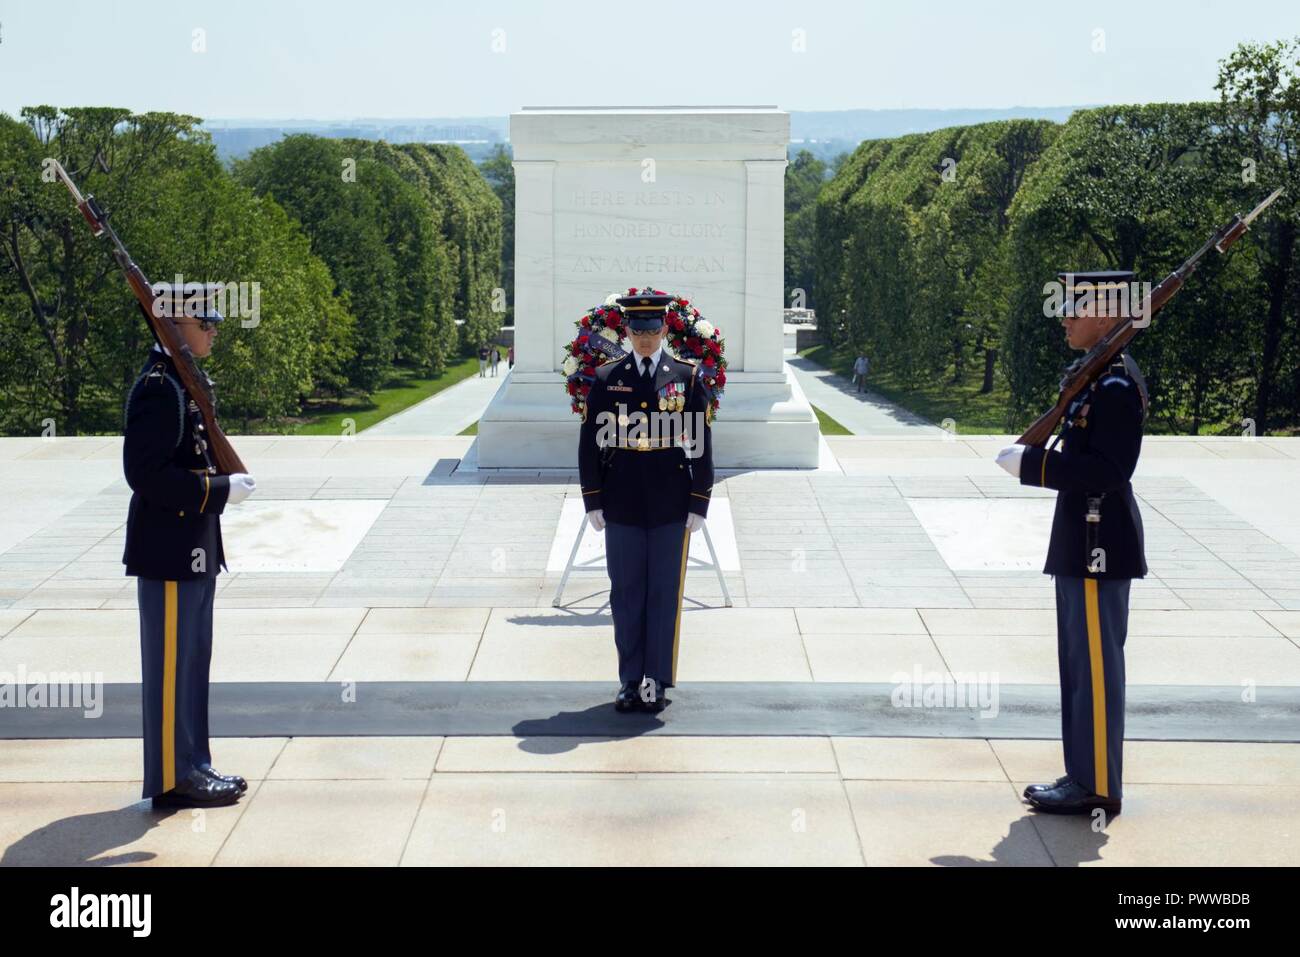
(393, 679)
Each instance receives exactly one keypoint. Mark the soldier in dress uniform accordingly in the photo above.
(646, 480)
(173, 547)
(1096, 550)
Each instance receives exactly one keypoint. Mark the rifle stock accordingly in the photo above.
(1098, 359)
(1040, 432)
(221, 453)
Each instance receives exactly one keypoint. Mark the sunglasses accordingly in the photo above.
(645, 333)
(205, 325)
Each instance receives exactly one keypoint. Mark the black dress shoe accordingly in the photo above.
(234, 779)
(1038, 788)
(1071, 798)
(198, 790)
(626, 699)
(652, 695)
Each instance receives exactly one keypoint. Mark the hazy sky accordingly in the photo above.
(334, 59)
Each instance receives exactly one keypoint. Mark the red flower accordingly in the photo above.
(631, 290)
(693, 343)
(683, 302)
(586, 320)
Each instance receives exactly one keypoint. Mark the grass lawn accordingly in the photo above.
(974, 413)
(400, 392)
(828, 425)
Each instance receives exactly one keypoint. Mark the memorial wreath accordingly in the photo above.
(603, 329)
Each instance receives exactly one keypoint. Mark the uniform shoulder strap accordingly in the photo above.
(1133, 372)
(156, 375)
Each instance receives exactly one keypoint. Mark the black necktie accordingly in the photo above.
(645, 366)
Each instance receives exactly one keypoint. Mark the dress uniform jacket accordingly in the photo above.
(1100, 443)
(658, 484)
(175, 502)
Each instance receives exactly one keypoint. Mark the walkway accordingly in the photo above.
(449, 412)
(860, 413)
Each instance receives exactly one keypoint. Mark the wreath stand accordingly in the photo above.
(592, 566)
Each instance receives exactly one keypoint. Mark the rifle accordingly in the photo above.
(222, 454)
(1088, 367)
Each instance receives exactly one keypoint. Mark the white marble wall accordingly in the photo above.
(689, 200)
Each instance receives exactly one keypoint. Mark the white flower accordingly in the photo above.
(611, 299)
(570, 366)
(704, 329)
(609, 334)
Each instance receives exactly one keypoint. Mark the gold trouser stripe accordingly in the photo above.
(1093, 614)
(170, 612)
(681, 589)
(207, 489)
(1042, 479)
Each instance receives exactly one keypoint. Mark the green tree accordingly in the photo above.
(499, 171)
(471, 227)
(338, 199)
(71, 336)
(1135, 188)
(804, 178)
(413, 229)
(910, 247)
(1258, 149)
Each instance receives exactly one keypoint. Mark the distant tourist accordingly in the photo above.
(482, 361)
(496, 360)
(860, 373)
(510, 358)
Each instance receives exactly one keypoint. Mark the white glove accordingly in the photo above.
(597, 519)
(694, 522)
(241, 486)
(1009, 458)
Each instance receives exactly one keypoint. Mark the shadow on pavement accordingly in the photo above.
(79, 840)
(1073, 842)
(601, 723)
